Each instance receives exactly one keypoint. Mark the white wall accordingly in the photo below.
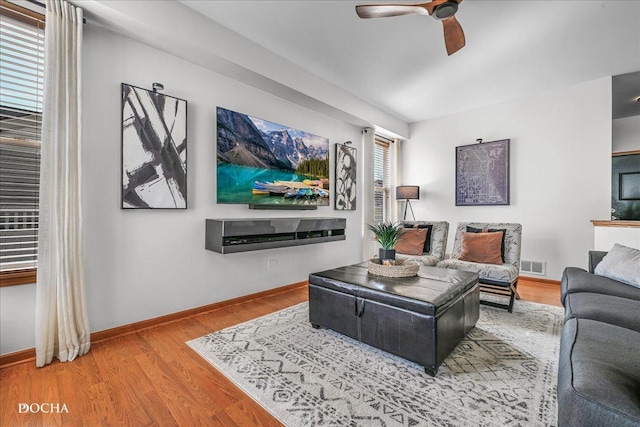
(626, 134)
(182, 31)
(17, 317)
(560, 169)
(143, 264)
(605, 237)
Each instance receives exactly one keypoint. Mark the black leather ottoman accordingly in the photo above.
(421, 319)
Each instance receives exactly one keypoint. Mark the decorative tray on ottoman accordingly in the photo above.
(401, 268)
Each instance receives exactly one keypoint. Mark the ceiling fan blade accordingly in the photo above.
(453, 35)
(366, 11)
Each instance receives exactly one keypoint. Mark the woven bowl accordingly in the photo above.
(402, 268)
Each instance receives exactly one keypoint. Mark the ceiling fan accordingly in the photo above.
(442, 10)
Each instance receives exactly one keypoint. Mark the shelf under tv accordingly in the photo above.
(227, 236)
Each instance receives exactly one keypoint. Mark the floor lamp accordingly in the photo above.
(407, 193)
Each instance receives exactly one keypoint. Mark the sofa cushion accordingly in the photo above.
(491, 230)
(411, 241)
(594, 259)
(598, 375)
(505, 273)
(621, 263)
(512, 239)
(481, 247)
(578, 280)
(617, 311)
(427, 241)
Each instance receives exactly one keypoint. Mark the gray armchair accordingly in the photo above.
(438, 242)
(494, 279)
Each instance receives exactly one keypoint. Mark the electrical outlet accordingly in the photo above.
(272, 263)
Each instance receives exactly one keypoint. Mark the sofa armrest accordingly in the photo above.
(594, 259)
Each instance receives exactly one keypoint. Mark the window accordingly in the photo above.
(21, 92)
(381, 179)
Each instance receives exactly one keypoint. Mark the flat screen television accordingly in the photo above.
(262, 163)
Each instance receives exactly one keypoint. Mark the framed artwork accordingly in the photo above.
(625, 186)
(154, 150)
(482, 174)
(629, 186)
(345, 190)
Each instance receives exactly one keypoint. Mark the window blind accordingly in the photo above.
(381, 178)
(21, 92)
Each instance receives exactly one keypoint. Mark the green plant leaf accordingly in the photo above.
(387, 233)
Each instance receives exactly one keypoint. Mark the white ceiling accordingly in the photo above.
(514, 48)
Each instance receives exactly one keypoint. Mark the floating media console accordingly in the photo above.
(228, 236)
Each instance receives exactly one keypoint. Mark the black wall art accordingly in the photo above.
(345, 194)
(482, 174)
(154, 150)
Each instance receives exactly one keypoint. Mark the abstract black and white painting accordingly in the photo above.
(154, 150)
(345, 198)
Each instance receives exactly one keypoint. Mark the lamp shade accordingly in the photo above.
(407, 192)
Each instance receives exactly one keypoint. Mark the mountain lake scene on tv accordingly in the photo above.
(260, 162)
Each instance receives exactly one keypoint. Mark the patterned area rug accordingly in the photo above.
(503, 373)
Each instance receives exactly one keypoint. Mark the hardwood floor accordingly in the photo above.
(541, 292)
(151, 377)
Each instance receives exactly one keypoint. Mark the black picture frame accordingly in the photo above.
(154, 150)
(482, 174)
(345, 194)
(629, 185)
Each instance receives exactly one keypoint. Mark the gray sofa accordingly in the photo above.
(599, 370)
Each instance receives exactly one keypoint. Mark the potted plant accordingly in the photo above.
(388, 234)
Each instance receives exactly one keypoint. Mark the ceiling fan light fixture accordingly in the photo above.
(445, 10)
(441, 10)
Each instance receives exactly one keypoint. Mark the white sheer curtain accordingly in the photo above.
(369, 245)
(62, 326)
(396, 166)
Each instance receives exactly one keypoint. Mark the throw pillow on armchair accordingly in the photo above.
(482, 247)
(411, 241)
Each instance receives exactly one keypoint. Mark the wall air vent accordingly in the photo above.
(539, 268)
